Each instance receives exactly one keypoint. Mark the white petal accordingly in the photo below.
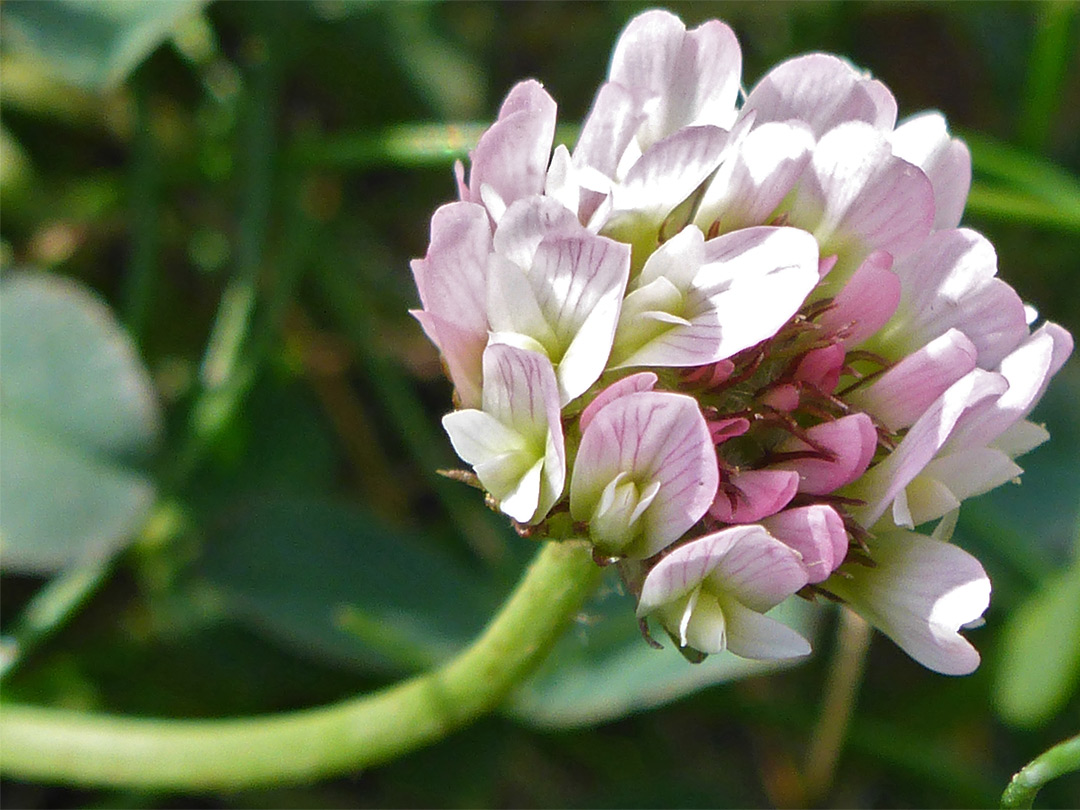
(752, 182)
(753, 635)
(478, 436)
(924, 140)
(881, 483)
(920, 594)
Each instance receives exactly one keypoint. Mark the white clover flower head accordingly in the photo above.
(753, 336)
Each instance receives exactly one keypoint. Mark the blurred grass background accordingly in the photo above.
(246, 199)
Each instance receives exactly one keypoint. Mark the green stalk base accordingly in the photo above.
(55, 746)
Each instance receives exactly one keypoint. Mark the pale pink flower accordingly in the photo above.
(710, 594)
(843, 363)
(555, 288)
(515, 443)
(698, 302)
(645, 471)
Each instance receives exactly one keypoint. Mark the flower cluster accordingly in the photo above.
(744, 349)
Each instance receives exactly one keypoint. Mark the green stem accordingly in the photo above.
(50, 608)
(1063, 758)
(59, 746)
(845, 675)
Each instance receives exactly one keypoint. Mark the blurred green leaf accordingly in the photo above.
(78, 416)
(333, 582)
(1040, 660)
(96, 44)
(603, 669)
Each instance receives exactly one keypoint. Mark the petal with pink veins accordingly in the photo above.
(949, 283)
(664, 176)
(900, 396)
(649, 437)
(679, 78)
(1027, 370)
(857, 196)
(515, 443)
(748, 285)
(752, 181)
(703, 592)
(642, 381)
(881, 484)
(567, 300)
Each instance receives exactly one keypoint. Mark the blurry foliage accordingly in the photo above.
(244, 184)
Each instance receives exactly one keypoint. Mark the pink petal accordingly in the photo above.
(642, 381)
(685, 78)
(924, 140)
(512, 156)
(821, 367)
(462, 351)
(949, 282)
(723, 429)
(816, 532)
(857, 192)
(851, 438)
(650, 436)
(762, 492)
(866, 302)
(901, 395)
(920, 594)
(822, 91)
(451, 278)
(784, 397)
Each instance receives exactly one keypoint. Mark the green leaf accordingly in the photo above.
(77, 418)
(96, 44)
(603, 669)
(333, 582)
(1040, 662)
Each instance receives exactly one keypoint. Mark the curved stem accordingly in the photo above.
(51, 745)
(1063, 758)
(845, 674)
